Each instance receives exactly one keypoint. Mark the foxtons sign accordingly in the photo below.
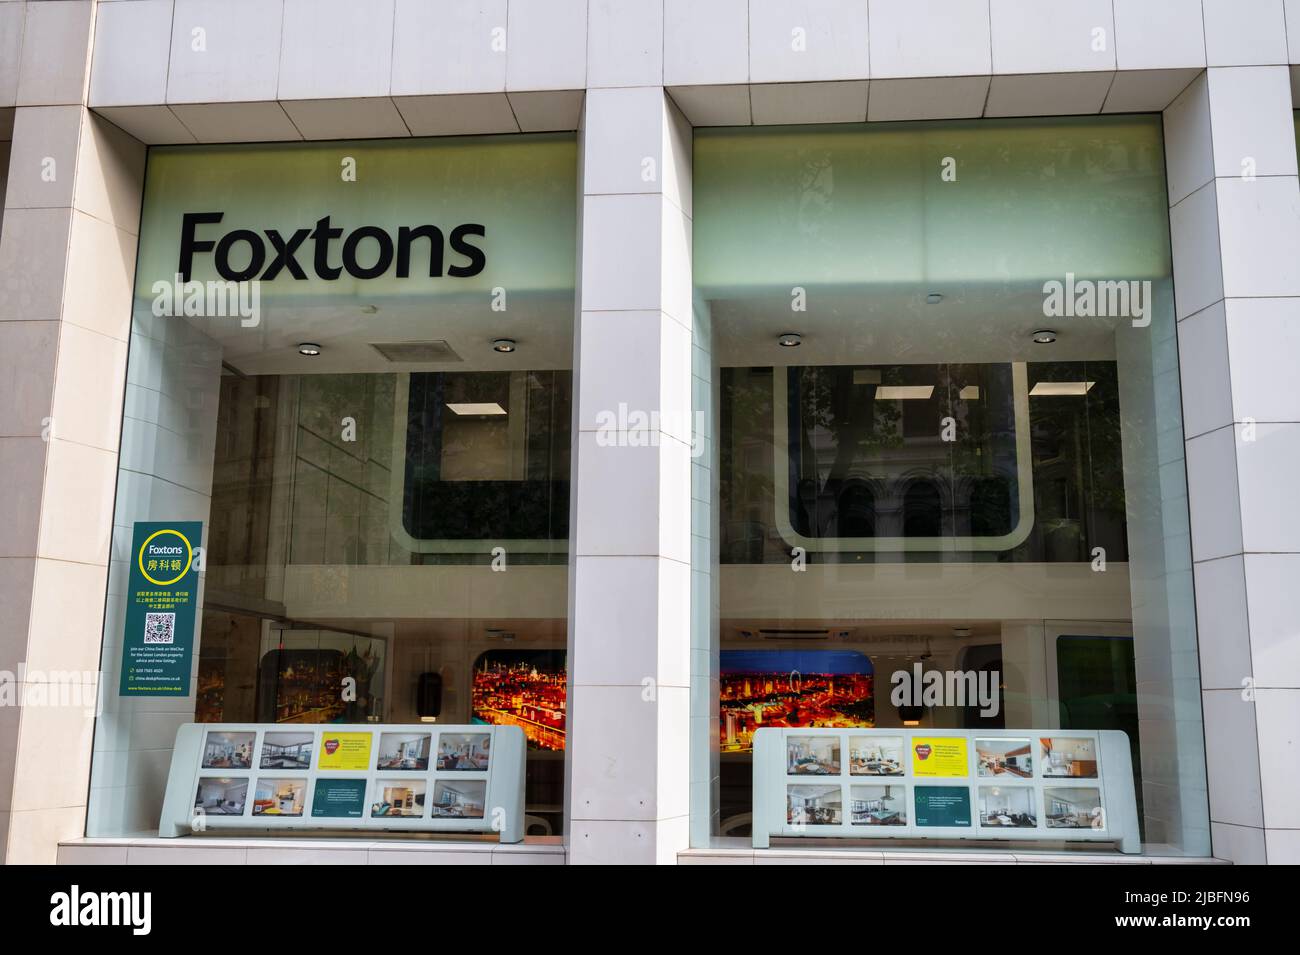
(366, 252)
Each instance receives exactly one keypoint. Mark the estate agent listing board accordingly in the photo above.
(1048, 785)
(340, 776)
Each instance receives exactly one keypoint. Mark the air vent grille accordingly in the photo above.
(416, 352)
(774, 634)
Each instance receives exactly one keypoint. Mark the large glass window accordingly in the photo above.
(942, 375)
(375, 439)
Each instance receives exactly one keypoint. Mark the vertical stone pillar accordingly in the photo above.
(1235, 223)
(67, 254)
(630, 534)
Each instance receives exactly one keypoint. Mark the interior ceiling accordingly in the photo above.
(345, 331)
(522, 634)
(895, 325)
(880, 638)
(880, 325)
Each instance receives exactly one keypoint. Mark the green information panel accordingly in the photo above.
(942, 806)
(339, 798)
(158, 642)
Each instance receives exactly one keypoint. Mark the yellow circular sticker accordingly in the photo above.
(189, 556)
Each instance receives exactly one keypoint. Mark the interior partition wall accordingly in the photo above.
(945, 395)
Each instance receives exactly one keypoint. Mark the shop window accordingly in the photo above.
(376, 450)
(953, 471)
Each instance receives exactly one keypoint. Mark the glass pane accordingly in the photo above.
(382, 481)
(943, 372)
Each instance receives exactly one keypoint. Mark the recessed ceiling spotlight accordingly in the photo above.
(789, 339)
(934, 298)
(310, 349)
(504, 345)
(1044, 336)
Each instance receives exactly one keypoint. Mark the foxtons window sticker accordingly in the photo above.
(284, 250)
(158, 640)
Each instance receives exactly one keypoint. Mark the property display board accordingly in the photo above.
(158, 639)
(346, 776)
(1044, 784)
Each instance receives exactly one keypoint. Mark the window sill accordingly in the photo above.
(852, 856)
(220, 850)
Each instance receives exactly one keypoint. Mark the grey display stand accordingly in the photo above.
(1077, 787)
(278, 776)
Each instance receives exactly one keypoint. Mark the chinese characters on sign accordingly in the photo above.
(159, 638)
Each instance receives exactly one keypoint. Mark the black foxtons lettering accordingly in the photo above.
(284, 254)
(189, 244)
(256, 255)
(367, 252)
(477, 260)
(321, 235)
(382, 262)
(406, 235)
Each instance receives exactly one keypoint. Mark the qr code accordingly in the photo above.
(159, 627)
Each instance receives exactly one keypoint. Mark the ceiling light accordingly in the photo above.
(310, 349)
(934, 298)
(505, 345)
(1044, 336)
(369, 309)
(969, 393)
(1059, 389)
(476, 408)
(789, 339)
(904, 392)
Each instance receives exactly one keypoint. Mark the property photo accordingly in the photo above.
(459, 799)
(279, 797)
(875, 756)
(287, 750)
(1073, 808)
(398, 798)
(877, 806)
(463, 752)
(408, 751)
(1008, 807)
(814, 806)
(812, 756)
(219, 796)
(1005, 757)
(228, 751)
(1069, 757)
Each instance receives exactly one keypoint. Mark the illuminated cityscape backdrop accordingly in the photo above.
(830, 688)
(525, 688)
